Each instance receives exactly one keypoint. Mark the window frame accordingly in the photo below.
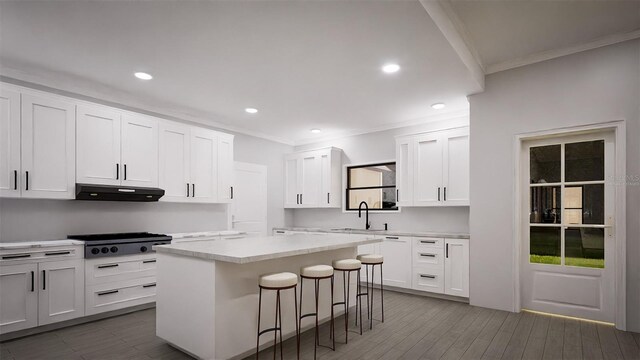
(346, 181)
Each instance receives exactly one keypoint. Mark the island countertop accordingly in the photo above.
(253, 249)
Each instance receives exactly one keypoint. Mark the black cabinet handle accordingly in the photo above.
(232, 193)
(428, 276)
(427, 241)
(328, 198)
(447, 251)
(149, 261)
(445, 193)
(44, 280)
(57, 253)
(17, 256)
(397, 195)
(117, 171)
(33, 281)
(15, 179)
(438, 194)
(297, 198)
(125, 171)
(187, 189)
(193, 190)
(300, 199)
(27, 181)
(428, 255)
(107, 266)
(392, 237)
(149, 285)
(108, 292)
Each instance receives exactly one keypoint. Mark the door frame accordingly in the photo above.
(238, 165)
(619, 132)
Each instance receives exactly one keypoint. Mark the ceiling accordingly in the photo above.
(505, 31)
(303, 65)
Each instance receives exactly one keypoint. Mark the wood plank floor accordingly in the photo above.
(415, 327)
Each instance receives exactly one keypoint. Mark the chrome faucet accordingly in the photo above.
(366, 209)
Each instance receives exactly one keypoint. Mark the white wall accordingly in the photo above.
(375, 147)
(27, 220)
(590, 87)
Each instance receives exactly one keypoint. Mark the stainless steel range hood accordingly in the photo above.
(117, 193)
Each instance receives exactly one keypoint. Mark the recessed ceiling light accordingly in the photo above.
(438, 106)
(316, 131)
(251, 110)
(391, 68)
(143, 76)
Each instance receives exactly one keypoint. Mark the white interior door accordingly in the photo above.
(249, 206)
(174, 177)
(140, 150)
(10, 143)
(428, 184)
(48, 147)
(568, 249)
(98, 145)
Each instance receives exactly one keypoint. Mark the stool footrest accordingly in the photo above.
(340, 303)
(307, 315)
(268, 330)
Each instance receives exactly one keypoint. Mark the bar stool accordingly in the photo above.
(371, 260)
(317, 273)
(278, 282)
(347, 266)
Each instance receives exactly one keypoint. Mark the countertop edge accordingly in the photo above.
(380, 232)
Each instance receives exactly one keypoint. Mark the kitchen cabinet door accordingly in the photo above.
(310, 180)
(225, 168)
(204, 165)
(175, 162)
(61, 291)
(456, 167)
(10, 172)
(404, 171)
(139, 150)
(427, 187)
(397, 261)
(291, 189)
(48, 147)
(18, 297)
(456, 267)
(98, 145)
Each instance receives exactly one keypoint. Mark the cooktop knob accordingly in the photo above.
(105, 250)
(95, 251)
(143, 249)
(114, 249)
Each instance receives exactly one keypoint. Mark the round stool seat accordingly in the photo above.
(316, 271)
(371, 259)
(278, 280)
(347, 264)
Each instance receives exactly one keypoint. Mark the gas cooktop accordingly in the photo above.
(103, 245)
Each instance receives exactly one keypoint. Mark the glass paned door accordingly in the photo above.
(568, 248)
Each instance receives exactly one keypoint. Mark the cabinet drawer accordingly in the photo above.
(20, 256)
(100, 271)
(428, 243)
(426, 279)
(113, 296)
(430, 257)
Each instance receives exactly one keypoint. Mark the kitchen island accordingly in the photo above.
(207, 295)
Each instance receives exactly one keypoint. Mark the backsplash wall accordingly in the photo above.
(33, 219)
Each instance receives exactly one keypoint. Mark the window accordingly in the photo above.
(374, 184)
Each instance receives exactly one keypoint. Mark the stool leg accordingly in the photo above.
(280, 321)
(275, 332)
(300, 318)
(366, 271)
(333, 324)
(315, 346)
(346, 304)
(373, 268)
(258, 333)
(359, 302)
(381, 293)
(295, 305)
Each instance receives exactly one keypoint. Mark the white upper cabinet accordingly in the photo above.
(139, 150)
(48, 147)
(195, 164)
(98, 145)
(10, 172)
(313, 179)
(204, 165)
(175, 161)
(433, 168)
(225, 168)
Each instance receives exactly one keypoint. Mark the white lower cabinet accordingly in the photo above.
(441, 266)
(119, 282)
(456, 267)
(40, 287)
(397, 266)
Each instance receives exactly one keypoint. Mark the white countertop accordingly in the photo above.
(39, 244)
(199, 234)
(247, 250)
(449, 235)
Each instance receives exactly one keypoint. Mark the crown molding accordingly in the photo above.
(556, 53)
(462, 113)
(81, 89)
